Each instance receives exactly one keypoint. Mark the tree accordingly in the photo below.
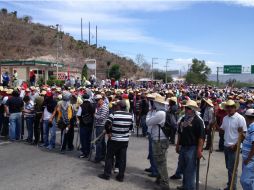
(198, 72)
(4, 11)
(27, 19)
(14, 14)
(114, 72)
(161, 75)
(146, 67)
(231, 82)
(84, 73)
(140, 59)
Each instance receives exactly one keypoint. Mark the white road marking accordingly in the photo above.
(5, 142)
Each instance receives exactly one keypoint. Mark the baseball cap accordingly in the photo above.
(98, 96)
(250, 112)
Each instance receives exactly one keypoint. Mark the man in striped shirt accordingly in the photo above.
(29, 114)
(247, 177)
(117, 127)
(101, 116)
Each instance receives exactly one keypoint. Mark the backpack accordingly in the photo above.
(87, 113)
(170, 124)
(64, 116)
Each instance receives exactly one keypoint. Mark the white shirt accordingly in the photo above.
(230, 125)
(152, 121)
(79, 111)
(46, 114)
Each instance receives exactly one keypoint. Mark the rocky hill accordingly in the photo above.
(22, 39)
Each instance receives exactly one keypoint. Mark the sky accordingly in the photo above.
(219, 32)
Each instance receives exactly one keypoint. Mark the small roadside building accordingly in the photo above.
(42, 69)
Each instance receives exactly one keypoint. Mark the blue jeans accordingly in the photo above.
(100, 144)
(189, 161)
(30, 126)
(52, 132)
(153, 166)
(46, 132)
(179, 170)
(15, 125)
(247, 177)
(1, 121)
(85, 139)
(230, 161)
(143, 125)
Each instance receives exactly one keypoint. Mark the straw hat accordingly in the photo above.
(58, 89)
(169, 92)
(9, 91)
(230, 103)
(150, 96)
(161, 100)
(209, 102)
(43, 93)
(192, 104)
(32, 88)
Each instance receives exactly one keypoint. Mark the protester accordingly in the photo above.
(29, 114)
(5, 79)
(190, 138)
(117, 128)
(247, 177)
(160, 142)
(14, 107)
(65, 114)
(208, 118)
(101, 116)
(49, 105)
(86, 121)
(231, 124)
(15, 78)
(38, 108)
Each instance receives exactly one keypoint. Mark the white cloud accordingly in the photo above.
(114, 21)
(245, 3)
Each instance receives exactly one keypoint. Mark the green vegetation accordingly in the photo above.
(40, 82)
(53, 81)
(198, 72)
(161, 75)
(84, 73)
(114, 72)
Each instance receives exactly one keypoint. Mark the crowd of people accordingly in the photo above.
(178, 114)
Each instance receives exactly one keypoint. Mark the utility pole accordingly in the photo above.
(57, 51)
(166, 74)
(89, 33)
(81, 30)
(96, 35)
(152, 67)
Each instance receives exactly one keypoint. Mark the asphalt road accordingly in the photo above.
(27, 167)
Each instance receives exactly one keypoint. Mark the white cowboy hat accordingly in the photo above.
(43, 93)
(192, 104)
(250, 112)
(9, 91)
(209, 102)
(160, 99)
(230, 103)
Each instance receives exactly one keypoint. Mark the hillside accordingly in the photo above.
(22, 39)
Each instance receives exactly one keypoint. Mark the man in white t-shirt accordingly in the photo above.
(231, 124)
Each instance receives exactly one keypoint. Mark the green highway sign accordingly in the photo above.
(252, 69)
(232, 69)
